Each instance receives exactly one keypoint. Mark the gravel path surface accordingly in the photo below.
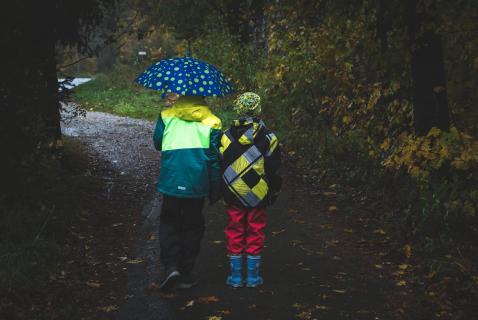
(125, 142)
(315, 266)
(127, 145)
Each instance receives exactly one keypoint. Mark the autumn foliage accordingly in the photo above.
(337, 83)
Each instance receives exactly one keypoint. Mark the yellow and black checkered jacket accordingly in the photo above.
(250, 163)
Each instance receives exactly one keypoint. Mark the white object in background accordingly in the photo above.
(75, 82)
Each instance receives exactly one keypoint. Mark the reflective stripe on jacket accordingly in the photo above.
(250, 162)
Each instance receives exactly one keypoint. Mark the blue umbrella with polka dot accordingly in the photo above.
(186, 76)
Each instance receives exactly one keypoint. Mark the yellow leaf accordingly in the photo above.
(401, 283)
(332, 208)
(395, 86)
(444, 152)
(378, 266)
(385, 144)
(434, 132)
(214, 318)
(407, 250)
(374, 98)
(346, 119)
(414, 171)
(403, 266)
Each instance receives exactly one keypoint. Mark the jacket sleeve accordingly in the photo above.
(215, 163)
(158, 133)
(273, 163)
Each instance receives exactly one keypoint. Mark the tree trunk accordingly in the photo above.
(259, 30)
(30, 121)
(430, 103)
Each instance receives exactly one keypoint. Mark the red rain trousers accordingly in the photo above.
(245, 230)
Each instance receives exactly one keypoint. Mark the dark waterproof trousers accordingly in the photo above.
(180, 232)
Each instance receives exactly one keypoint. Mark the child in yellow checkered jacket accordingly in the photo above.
(251, 159)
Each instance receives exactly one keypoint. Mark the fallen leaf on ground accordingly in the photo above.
(379, 231)
(217, 241)
(320, 307)
(349, 230)
(333, 208)
(214, 318)
(293, 210)
(329, 193)
(93, 284)
(295, 242)
(407, 250)
(206, 300)
(401, 283)
(305, 315)
(190, 304)
(252, 306)
(135, 261)
(108, 308)
(224, 312)
(152, 237)
(339, 291)
(274, 233)
(378, 266)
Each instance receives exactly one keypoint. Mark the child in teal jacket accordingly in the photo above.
(187, 134)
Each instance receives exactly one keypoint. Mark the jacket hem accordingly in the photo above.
(181, 195)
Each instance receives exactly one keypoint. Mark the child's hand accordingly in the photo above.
(214, 195)
(273, 197)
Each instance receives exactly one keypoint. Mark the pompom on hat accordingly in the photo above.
(248, 104)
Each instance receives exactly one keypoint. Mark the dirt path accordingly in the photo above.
(315, 266)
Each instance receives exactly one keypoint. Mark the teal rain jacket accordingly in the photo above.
(188, 135)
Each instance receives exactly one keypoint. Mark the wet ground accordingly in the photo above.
(315, 265)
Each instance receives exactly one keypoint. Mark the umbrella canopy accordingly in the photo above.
(185, 76)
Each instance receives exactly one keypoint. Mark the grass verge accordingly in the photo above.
(116, 93)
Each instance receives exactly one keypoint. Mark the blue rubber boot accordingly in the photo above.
(253, 278)
(235, 279)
